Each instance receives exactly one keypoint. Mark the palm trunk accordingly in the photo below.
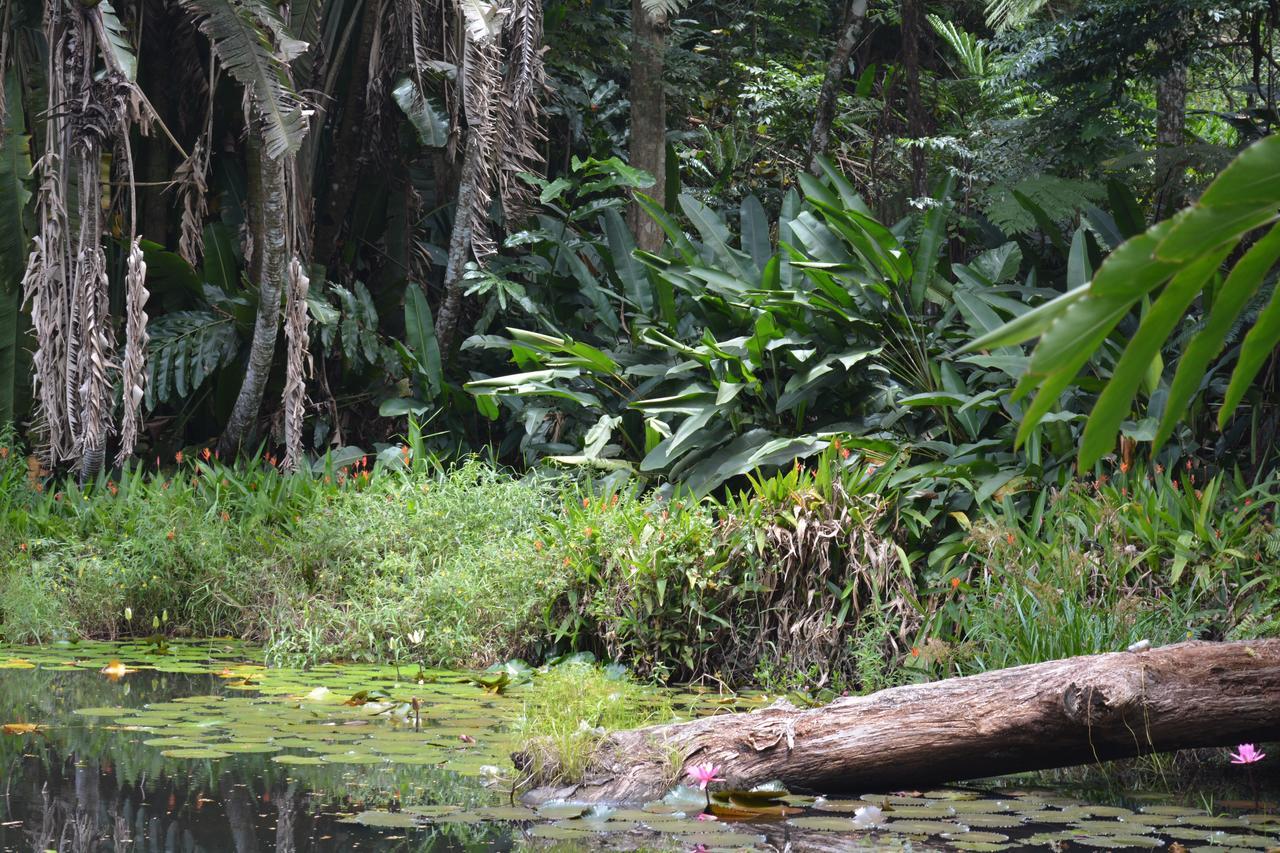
(348, 145)
(648, 118)
(449, 315)
(854, 18)
(268, 225)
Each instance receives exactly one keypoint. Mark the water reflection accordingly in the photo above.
(146, 764)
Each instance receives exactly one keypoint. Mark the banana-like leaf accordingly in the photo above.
(1183, 255)
(715, 235)
(420, 334)
(932, 233)
(118, 52)
(1239, 288)
(252, 44)
(632, 274)
(1114, 403)
(15, 166)
(431, 122)
(1254, 352)
(755, 231)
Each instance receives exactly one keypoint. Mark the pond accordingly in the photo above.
(197, 747)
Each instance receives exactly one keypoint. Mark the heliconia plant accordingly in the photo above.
(1172, 264)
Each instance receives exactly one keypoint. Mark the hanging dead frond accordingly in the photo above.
(522, 101)
(481, 83)
(93, 383)
(134, 369)
(191, 179)
(295, 388)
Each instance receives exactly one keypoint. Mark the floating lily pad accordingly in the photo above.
(506, 813)
(559, 833)
(923, 827)
(825, 824)
(249, 747)
(297, 759)
(977, 837)
(195, 752)
(383, 819)
(1117, 842)
(562, 812)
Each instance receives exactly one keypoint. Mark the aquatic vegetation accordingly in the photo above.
(704, 774)
(1247, 753)
(177, 724)
(569, 707)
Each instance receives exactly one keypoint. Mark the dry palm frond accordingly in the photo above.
(481, 99)
(134, 369)
(191, 178)
(93, 384)
(295, 388)
(523, 89)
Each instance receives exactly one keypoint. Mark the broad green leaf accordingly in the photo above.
(431, 122)
(932, 233)
(1252, 178)
(632, 274)
(673, 231)
(715, 234)
(850, 199)
(1079, 270)
(1029, 325)
(755, 231)
(1202, 229)
(420, 334)
(117, 51)
(1256, 348)
(1243, 282)
(1113, 405)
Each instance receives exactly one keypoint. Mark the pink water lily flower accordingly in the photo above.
(1247, 753)
(704, 774)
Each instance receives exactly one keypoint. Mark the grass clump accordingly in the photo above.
(568, 710)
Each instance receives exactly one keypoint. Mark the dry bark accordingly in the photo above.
(1074, 711)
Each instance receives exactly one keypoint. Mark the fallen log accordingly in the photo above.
(1056, 714)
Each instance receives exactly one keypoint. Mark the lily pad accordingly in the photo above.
(195, 752)
(297, 759)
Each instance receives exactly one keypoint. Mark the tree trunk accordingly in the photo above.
(912, 27)
(1074, 711)
(854, 18)
(349, 147)
(449, 314)
(268, 223)
(648, 118)
(1171, 126)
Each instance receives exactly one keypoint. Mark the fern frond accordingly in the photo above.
(255, 47)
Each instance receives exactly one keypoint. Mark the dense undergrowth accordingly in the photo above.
(832, 577)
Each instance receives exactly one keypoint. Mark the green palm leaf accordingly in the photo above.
(255, 48)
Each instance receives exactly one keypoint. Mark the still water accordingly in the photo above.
(197, 747)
